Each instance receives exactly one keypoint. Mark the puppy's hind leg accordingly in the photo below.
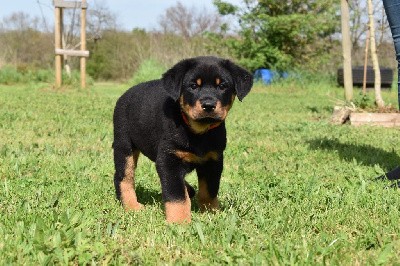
(124, 179)
(191, 191)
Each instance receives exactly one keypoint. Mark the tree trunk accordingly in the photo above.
(378, 96)
(365, 64)
(346, 46)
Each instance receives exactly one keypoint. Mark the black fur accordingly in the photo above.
(148, 118)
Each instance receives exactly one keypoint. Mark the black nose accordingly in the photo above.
(208, 106)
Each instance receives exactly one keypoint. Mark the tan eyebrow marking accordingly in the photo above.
(198, 81)
(217, 81)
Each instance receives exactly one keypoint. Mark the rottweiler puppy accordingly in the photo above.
(178, 123)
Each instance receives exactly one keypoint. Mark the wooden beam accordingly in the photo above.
(78, 53)
(375, 119)
(70, 4)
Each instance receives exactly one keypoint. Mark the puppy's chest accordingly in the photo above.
(199, 153)
(193, 158)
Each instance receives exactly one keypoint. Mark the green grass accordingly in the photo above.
(295, 189)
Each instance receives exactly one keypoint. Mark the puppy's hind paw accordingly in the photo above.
(191, 191)
(391, 175)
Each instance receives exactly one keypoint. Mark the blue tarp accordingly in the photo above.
(264, 75)
(268, 75)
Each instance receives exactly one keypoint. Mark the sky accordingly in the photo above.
(130, 13)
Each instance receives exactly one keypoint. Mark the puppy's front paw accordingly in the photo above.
(178, 212)
(132, 205)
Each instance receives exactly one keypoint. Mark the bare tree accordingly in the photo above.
(383, 25)
(99, 19)
(346, 46)
(359, 23)
(371, 25)
(15, 30)
(189, 22)
(20, 21)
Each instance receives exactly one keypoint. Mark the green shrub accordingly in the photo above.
(43, 75)
(74, 79)
(302, 79)
(311, 77)
(276, 35)
(148, 70)
(363, 101)
(10, 75)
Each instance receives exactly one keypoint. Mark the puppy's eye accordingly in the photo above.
(222, 86)
(193, 86)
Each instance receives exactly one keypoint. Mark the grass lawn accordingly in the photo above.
(295, 189)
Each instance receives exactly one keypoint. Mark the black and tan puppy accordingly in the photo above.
(178, 122)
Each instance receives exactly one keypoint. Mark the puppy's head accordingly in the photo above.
(206, 88)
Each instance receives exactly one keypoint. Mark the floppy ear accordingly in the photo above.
(173, 78)
(242, 78)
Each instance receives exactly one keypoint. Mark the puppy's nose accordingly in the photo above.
(208, 106)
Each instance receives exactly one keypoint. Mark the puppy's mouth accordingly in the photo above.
(209, 120)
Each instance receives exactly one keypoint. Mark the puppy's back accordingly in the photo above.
(142, 113)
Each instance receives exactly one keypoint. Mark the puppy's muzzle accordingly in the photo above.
(208, 105)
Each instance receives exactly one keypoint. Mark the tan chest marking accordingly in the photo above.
(193, 158)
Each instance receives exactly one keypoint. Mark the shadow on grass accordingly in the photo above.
(363, 154)
(153, 197)
(148, 196)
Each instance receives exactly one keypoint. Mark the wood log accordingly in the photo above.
(375, 119)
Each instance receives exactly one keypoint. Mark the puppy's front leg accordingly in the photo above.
(209, 176)
(174, 192)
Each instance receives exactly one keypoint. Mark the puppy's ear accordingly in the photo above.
(173, 78)
(242, 78)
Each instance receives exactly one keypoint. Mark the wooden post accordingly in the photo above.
(346, 46)
(59, 51)
(83, 44)
(58, 45)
